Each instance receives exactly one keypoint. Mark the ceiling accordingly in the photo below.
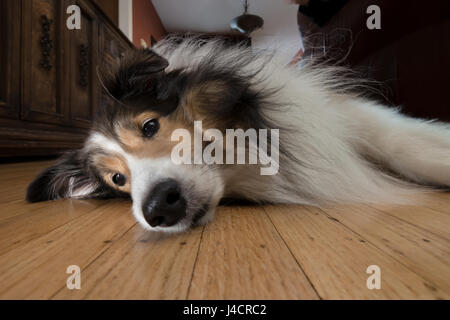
(213, 16)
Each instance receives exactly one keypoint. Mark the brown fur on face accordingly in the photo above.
(129, 133)
(159, 145)
(219, 98)
(197, 99)
(108, 165)
(207, 102)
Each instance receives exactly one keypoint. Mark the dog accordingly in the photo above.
(335, 145)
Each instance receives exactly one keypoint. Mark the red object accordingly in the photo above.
(146, 23)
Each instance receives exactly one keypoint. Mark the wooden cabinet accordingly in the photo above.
(43, 61)
(83, 83)
(49, 90)
(9, 60)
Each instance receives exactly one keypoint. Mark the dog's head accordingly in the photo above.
(128, 151)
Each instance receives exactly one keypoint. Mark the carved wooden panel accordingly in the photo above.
(9, 59)
(83, 61)
(49, 89)
(42, 57)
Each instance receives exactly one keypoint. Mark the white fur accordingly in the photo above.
(335, 135)
(338, 142)
(145, 173)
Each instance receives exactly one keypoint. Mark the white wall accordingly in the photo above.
(286, 42)
(126, 18)
(280, 30)
(280, 27)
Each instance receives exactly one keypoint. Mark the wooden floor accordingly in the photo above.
(271, 252)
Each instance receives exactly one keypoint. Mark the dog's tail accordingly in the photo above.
(415, 149)
(343, 148)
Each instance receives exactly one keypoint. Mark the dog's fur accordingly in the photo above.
(335, 145)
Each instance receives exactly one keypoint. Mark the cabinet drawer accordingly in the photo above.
(9, 59)
(83, 49)
(42, 59)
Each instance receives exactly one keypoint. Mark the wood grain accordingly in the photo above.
(43, 219)
(37, 269)
(243, 257)
(336, 259)
(421, 251)
(44, 109)
(263, 252)
(425, 218)
(140, 265)
(15, 180)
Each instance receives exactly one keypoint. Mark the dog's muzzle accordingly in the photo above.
(164, 206)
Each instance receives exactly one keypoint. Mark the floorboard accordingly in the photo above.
(140, 265)
(336, 258)
(419, 250)
(247, 252)
(243, 257)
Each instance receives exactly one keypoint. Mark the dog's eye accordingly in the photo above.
(150, 127)
(119, 179)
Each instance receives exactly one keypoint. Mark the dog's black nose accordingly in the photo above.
(164, 206)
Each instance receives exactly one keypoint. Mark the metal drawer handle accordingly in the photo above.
(84, 65)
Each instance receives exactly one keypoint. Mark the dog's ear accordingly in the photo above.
(68, 178)
(217, 96)
(135, 73)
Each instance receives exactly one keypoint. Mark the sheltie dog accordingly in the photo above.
(335, 146)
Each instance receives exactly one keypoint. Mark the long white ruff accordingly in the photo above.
(339, 146)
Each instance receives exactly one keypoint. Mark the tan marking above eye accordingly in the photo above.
(159, 145)
(133, 142)
(143, 117)
(108, 165)
(131, 138)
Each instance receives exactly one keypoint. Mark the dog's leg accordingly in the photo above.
(416, 149)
